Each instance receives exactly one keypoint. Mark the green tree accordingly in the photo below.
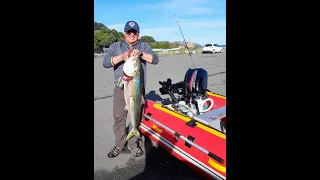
(120, 36)
(148, 39)
(98, 26)
(104, 36)
(163, 45)
(100, 39)
(105, 30)
(111, 38)
(153, 45)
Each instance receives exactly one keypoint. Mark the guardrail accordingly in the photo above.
(171, 49)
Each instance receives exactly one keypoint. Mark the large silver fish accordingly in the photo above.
(133, 93)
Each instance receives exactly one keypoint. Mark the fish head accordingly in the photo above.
(131, 67)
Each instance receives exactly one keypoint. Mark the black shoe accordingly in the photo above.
(115, 151)
(136, 152)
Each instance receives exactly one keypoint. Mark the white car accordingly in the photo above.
(213, 48)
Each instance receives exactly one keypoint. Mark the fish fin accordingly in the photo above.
(133, 132)
(142, 100)
(131, 101)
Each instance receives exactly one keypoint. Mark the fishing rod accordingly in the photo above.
(184, 41)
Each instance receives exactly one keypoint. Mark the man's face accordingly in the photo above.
(131, 35)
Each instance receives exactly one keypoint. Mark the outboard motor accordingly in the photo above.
(193, 90)
(196, 81)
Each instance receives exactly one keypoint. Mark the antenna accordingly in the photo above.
(184, 40)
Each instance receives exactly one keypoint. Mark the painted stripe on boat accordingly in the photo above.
(159, 130)
(216, 95)
(187, 119)
(183, 154)
(216, 165)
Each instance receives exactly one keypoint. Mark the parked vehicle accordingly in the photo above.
(212, 48)
(224, 47)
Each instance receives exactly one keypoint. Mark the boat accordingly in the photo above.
(193, 127)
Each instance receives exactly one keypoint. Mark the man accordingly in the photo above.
(117, 54)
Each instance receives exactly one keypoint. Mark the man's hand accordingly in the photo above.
(122, 57)
(135, 52)
(147, 57)
(125, 55)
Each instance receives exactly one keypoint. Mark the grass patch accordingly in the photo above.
(181, 51)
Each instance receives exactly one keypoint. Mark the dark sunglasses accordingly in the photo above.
(132, 31)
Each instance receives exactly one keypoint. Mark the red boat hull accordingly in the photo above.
(206, 137)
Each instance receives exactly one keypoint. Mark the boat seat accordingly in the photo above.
(213, 118)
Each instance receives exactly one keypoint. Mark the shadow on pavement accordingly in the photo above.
(159, 164)
(155, 97)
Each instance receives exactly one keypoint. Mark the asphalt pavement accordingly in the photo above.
(155, 163)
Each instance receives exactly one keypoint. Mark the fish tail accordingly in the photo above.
(133, 132)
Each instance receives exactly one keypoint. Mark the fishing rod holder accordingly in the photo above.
(169, 88)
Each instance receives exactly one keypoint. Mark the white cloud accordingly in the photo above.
(199, 10)
(183, 7)
(161, 34)
(118, 27)
(202, 24)
(156, 31)
(163, 27)
(216, 37)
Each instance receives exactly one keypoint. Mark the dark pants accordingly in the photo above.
(120, 116)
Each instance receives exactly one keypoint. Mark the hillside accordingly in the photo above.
(104, 37)
(182, 43)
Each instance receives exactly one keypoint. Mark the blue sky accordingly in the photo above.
(201, 21)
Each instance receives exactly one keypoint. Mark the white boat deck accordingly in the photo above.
(213, 118)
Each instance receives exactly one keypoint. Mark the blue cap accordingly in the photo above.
(132, 25)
